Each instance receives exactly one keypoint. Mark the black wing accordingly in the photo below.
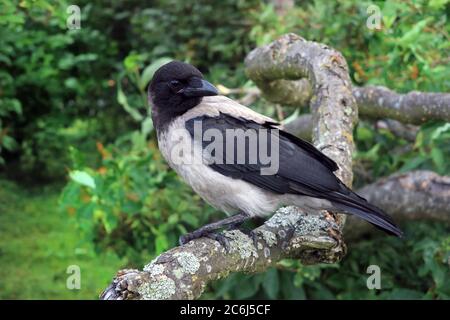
(302, 170)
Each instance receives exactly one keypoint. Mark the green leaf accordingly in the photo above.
(271, 283)
(364, 134)
(190, 219)
(412, 164)
(437, 4)
(161, 243)
(438, 158)
(9, 143)
(83, 178)
(440, 130)
(131, 62)
(110, 222)
(122, 99)
(147, 126)
(16, 106)
(248, 286)
(411, 36)
(69, 196)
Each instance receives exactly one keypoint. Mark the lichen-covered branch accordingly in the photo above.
(415, 195)
(312, 237)
(184, 272)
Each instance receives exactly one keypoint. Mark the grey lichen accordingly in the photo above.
(284, 217)
(148, 267)
(311, 225)
(241, 243)
(269, 237)
(282, 234)
(154, 269)
(178, 273)
(160, 289)
(266, 252)
(189, 263)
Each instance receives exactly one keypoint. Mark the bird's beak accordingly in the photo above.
(200, 89)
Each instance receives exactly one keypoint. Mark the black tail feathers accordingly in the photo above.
(351, 203)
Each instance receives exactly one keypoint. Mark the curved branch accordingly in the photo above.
(415, 195)
(374, 102)
(183, 272)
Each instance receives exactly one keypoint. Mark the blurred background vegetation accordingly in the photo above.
(82, 181)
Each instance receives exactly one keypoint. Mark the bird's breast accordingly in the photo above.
(222, 192)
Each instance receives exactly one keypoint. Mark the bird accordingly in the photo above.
(189, 115)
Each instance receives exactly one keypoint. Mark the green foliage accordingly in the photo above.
(47, 75)
(380, 153)
(131, 203)
(209, 34)
(410, 52)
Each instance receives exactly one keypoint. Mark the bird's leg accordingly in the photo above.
(209, 230)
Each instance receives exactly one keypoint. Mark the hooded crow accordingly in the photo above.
(240, 161)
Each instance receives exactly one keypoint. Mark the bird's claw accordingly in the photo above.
(222, 239)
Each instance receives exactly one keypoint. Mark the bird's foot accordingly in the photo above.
(210, 230)
(219, 237)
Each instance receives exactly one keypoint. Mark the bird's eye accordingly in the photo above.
(176, 85)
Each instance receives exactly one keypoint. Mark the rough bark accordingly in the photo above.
(312, 237)
(416, 195)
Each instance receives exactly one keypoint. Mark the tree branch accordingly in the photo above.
(405, 131)
(414, 107)
(302, 127)
(374, 102)
(184, 272)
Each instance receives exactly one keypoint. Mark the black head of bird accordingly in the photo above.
(177, 87)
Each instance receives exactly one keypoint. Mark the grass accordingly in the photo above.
(38, 243)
